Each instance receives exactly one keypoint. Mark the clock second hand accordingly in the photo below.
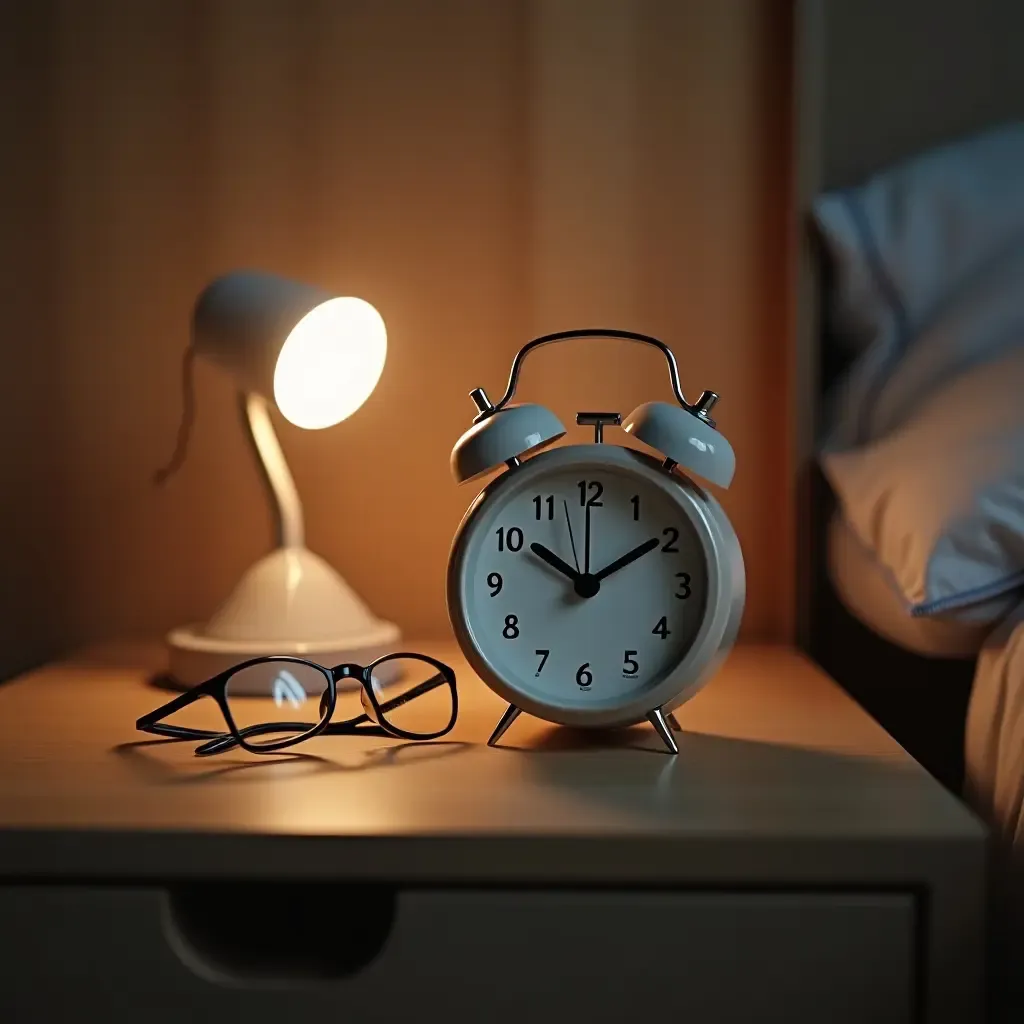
(586, 541)
(568, 522)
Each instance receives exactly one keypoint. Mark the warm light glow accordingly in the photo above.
(330, 363)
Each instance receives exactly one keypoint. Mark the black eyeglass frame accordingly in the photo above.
(364, 724)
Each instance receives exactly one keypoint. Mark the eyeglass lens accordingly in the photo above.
(413, 696)
(272, 701)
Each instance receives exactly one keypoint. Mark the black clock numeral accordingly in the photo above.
(595, 498)
(539, 502)
(684, 586)
(583, 676)
(669, 547)
(630, 666)
(661, 629)
(635, 501)
(511, 538)
(543, 661)
(494, 581)
(511, 630)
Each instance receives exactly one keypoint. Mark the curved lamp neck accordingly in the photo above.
(290, 528)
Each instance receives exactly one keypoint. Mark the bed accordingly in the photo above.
(880, 82)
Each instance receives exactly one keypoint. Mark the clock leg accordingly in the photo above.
(511, 714)
(673, 721)
(657, 719)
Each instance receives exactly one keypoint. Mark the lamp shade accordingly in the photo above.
(316, 356)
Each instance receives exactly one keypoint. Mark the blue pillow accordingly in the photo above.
(905, 247)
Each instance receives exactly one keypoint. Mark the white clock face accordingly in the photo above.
(584, 585)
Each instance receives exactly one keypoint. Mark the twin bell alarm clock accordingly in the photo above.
(594, 584)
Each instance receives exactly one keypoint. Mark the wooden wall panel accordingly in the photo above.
(480, 172)
(32, 554)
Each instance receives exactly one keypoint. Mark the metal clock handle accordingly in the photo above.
(483, 403)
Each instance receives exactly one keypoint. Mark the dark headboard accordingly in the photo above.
(877, 81)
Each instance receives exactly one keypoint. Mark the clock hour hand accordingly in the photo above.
(554, 561)
(630, 556)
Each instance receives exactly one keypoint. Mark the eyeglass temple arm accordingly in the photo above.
(417, 691)
(151, 722)
(180, 732)
(225, 741)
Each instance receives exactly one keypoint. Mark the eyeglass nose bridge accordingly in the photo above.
(369, 708)
(347, 671)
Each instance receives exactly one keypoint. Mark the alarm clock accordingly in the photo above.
(594, 584)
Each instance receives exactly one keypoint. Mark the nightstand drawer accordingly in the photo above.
(496, 955)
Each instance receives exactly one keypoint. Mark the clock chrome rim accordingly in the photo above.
(723, 603)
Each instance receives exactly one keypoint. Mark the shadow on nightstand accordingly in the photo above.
(562, 738)
(735, 783)
(297, 764)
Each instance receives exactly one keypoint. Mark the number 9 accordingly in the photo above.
(494, 582)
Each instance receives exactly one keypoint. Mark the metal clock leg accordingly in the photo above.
(511, 714)
(657, 719)
(673, 721)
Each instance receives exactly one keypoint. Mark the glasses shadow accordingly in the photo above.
(298, 764)
(165, 681)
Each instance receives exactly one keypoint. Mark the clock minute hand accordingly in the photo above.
(554, 561)
(630, 556)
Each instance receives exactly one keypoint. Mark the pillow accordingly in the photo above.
(902, 245)
(866, 589)
(940, 501)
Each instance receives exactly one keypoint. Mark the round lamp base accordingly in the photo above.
(195, 657)
(290, 603)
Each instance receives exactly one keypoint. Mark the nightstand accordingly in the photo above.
(791, 864)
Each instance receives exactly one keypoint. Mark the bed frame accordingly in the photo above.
(876, 81)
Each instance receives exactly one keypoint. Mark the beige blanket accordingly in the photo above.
(995, 788)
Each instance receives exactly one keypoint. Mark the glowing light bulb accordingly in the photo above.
(330, 363)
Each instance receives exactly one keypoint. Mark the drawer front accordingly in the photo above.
(501, 956)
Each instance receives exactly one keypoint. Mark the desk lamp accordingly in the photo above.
(318, 357)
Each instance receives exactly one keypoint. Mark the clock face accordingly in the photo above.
(583, 579)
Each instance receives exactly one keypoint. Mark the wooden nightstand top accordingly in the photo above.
(780, 775)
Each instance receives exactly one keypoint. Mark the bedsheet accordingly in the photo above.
(995, 789)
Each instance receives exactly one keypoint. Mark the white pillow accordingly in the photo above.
(940, 500)
(866, 589)
(902, 245)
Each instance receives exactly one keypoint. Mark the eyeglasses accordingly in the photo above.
(406, 696)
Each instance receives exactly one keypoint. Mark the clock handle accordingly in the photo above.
(486, 409)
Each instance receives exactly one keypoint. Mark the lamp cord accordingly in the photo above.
(188, 415)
